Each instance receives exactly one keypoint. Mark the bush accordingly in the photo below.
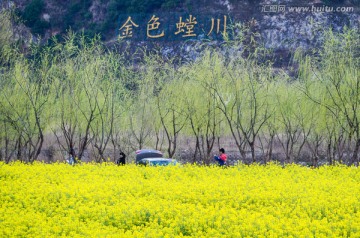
(32, 12)
(32, 17)
(40, 27)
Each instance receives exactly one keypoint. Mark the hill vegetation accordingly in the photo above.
(77, 14)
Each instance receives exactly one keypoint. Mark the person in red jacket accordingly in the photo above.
(221, 158)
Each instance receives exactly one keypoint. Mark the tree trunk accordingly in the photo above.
(252, 149)
(355, 157)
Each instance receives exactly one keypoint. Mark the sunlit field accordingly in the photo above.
(90, 200)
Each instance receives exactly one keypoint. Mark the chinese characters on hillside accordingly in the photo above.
(173, 27)
(127, 29)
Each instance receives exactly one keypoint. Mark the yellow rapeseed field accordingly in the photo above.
(91, 200)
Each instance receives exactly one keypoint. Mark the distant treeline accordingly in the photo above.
(80, 96)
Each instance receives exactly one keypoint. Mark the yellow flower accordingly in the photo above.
(93, 200)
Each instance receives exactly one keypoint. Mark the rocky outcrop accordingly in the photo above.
(281, 26)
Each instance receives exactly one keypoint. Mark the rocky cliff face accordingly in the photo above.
(282, 26)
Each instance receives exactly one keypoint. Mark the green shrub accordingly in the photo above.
(32, 17)
(40, 27)
(32, 12)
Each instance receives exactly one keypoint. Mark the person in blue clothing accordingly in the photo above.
(71, 159)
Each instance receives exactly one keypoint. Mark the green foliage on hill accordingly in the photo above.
(32, 11)
(102, 16)
(76, 14)
(6, 34)
(32, 17)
